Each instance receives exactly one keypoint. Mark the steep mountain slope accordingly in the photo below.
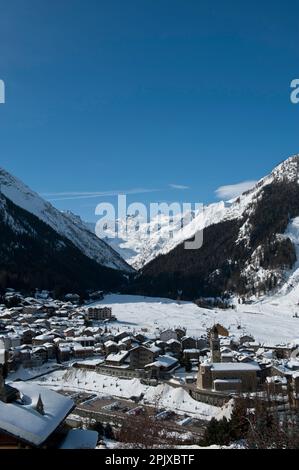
(246, 251)
(76, 232)
(32, 254)
(146, 240)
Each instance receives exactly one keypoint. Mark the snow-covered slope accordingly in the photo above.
(248, 247)
(138, 248)
(64, 224)
(147, 240)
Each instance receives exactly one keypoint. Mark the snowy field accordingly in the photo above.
(164, 395)
(270, 321)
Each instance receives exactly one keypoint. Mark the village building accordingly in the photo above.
(85, 341)
(191, 354)
(99, 313)
(168, 334)
(188, 342)
(173, 345)
(110, 347)
(141, 356)
(162, 367)
(228, 377)
(42, 339)
(32, 416)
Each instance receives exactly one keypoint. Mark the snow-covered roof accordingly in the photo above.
(21, 419)
(153, 348)
(45, 337)
(117, 356)
(163, 361)
(227, 381)
(110, 343)
(234, 366)
(84, 338)
(80, 439)
(173, 341)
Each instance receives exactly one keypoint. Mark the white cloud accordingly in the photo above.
(72, 195)
(234, 190)
(178, 186)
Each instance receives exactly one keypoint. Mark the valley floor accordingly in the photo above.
(270, 321)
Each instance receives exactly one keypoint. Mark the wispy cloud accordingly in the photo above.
(73, 195)
(234, 190)
(178, 186)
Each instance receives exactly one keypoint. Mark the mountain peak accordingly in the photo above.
(288, 170)
(64, 224)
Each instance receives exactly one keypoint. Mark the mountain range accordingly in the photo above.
(249, 247)
(43, 247)
(250, 244)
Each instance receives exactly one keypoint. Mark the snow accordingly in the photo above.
(116, 357)
(138, 249)
(24, 421)
(164, 361)
(172, 398)
(28, 373)
(270, 322)
(64, 223)
(234, 366)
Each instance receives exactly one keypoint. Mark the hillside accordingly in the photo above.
(247, 252)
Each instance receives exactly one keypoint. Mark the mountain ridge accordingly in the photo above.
(245, 252)
(86, 241)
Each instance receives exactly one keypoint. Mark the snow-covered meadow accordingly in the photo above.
(270, 321)
(166, 396)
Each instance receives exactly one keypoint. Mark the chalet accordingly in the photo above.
(191, 353)
(32, 309)
(69, 332)
(166, 335)
(32, 416)
(121, 335)
(42, 339)
(246, 339)
(139, 337)
(188, 342)
(64, 352)
(162, 366)
(118, 359)
(110, 347)
(85, 341)
(40, 352)
(80, 352)
(141, 356)
(50, 350)
(173, 345)
(180, 332)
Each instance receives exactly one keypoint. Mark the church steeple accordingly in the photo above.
(40, 405)
(215, 345)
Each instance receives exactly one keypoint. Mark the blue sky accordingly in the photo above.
(164, 99)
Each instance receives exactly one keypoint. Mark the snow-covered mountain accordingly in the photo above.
(145, 240)
(248, 243)
(138, 248)
(62, 223)
(33, 255)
